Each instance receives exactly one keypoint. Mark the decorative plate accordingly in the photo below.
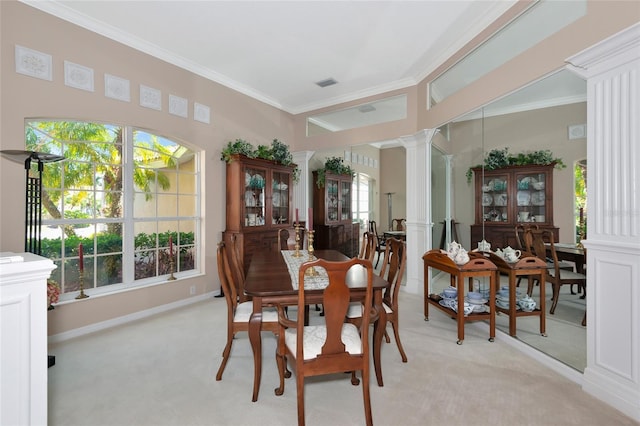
(524, 198)
(537, 199)
(500, 199)
(487, 199)
(276, 199)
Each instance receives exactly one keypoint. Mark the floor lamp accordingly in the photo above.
(33, 200)
(33, 193)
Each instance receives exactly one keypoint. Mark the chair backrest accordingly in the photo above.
(368, 247)
(539, 248)
(393, 267)
(397, 224)
(523, 236)
(226, 280)
(335, 300)
(373, 228)
(284, 234)
(236, 267)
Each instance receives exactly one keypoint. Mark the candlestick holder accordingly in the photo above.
(297, 247)
(311, 272)
(82, 294)
(172, 266)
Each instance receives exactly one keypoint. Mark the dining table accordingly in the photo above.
(269, 283)
(400, 235)
(571, 252)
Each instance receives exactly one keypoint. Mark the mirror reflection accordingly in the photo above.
(366, 114)
(547, 115)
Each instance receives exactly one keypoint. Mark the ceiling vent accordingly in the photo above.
(366, 108)
(327, 82)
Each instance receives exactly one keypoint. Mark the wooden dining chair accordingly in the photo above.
(397, 224)
(286, 234)
(393, 267)
(368, 247)
(236, 265)
(555, 275)
(238, 313)
(331, 347)
(380, 241)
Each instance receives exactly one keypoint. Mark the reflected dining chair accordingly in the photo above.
(238, 313)
(368, 247)
(286, 234)
(333, 346)
(555, 275)
(397, 225)
(380, 241)
(393, 267)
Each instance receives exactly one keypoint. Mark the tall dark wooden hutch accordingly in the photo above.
(259, 203)
(332, 215)
(510, 196)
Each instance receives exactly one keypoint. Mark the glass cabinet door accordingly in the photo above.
(495, 198)
(254, 196)
(281, 207)
(345, 200)
(332, 199)
(531, 197)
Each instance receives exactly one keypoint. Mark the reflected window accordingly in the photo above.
(367, 114)
(361, 196)
(537, 23)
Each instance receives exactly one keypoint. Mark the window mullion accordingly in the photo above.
(128, 234)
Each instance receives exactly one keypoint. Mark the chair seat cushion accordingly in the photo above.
(355, 310)
(244, 310)
(315, 336)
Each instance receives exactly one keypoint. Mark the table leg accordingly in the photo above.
(543, 329)
(255, 324)
(512, 303)
(379, 328)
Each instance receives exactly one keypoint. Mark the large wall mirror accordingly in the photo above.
(550, 114)
(547, 114)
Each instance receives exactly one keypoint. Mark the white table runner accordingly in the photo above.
(317, 282)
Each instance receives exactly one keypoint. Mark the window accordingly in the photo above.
(129, 216)
(360, 199)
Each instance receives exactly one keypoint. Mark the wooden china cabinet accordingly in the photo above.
(508, 197)
(259, 203)
(332, 215)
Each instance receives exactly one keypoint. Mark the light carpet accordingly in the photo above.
(161, 371)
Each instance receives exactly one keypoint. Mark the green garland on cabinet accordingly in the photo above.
(500, 158)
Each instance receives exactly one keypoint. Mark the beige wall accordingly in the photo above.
(393, 164)
(233, 115)
(23, 97)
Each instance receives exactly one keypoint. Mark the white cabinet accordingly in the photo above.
(23, 339)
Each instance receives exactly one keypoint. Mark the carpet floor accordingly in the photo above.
(161, 371)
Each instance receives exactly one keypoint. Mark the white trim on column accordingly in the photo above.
(302, 189)
(419, 223)
(612, 70)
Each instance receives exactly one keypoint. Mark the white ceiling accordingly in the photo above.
(275, 51)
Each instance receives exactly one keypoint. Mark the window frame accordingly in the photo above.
(127, 219)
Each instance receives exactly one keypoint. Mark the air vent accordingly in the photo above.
(327, 82)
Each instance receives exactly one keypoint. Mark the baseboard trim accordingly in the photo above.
(604, 386)
(114, 322)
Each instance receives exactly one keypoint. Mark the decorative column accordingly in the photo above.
(612, 70)
(419, 223)
(303, 188)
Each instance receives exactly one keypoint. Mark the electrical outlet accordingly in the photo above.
(192, 290)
